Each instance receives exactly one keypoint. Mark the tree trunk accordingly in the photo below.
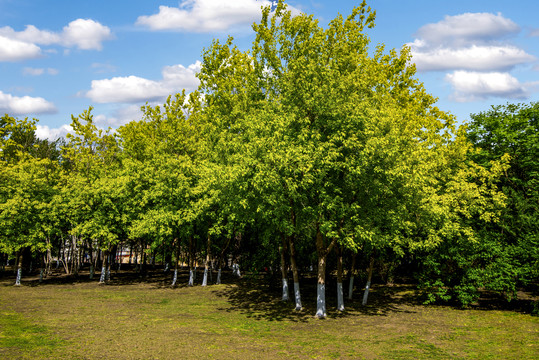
(177, 260)
(42, 258)
(207, 263)
(221, 260)
(367, 287)
(322, 257)
(321, 284)
(104, 267)
(352, 272)
(340, 296)
(91, 253)
(295, 271)
(284, 272)
(19, 269)
(191, 262)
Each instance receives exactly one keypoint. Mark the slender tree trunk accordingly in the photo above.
(191, 263)
(176, 261)
(75, 257)
(340, 295)
(49, 258)
(322, 260)
(42, 263)
(221, 260)
(110, 258)
(295, 271)
(352, 273)
(284, 270)
(321, 284)
(58, 257)
(207, 263)
(104, 267)
(367, 287)
(19, 269)
(91, 253)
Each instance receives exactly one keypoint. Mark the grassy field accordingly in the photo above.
(132, 318)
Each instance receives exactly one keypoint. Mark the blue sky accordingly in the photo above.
(59, 57)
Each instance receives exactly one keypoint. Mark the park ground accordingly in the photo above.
(136, 317)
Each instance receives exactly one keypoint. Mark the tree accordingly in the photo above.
(28, 174)
(505, 254)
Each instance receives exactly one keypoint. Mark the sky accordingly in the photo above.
(58, 57)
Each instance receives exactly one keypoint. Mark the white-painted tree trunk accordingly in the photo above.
(285, 289)
(218, 282)
(19, 276)
(175, 278)
(238, 273)
(297, 296)
(321, 301)
(205, 278)
(102, 277)
(191, 278)
(340, 297)
(366, 293)
(19, 269)
(367, 287)
(351, 287)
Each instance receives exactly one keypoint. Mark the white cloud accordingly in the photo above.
(132, 89)
(39, 71)
(44, 132)
(16, 50)
(206, 15)
(471, 86)
(25, 105)
(471, 41)
(480, 58)
(476, 47)
(534, 32)
(466, 29)
(85, 34)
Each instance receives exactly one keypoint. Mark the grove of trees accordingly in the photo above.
(309, 149)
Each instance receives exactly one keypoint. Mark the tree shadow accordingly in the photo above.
(260, 299)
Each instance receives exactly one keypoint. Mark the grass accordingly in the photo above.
(132, 318)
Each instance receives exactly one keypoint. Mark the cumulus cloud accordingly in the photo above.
(85, 34)
(476, 47)
(481, 58)
(16, 50)
(534, 32)
(206, 15)
(24, 105)
(39, 71)
(45, 132)
(467, 29)
(132, 89)
(471, 41)
(471, 86)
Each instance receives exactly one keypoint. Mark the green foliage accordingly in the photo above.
(504, 255)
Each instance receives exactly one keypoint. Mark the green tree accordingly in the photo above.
(505, 254)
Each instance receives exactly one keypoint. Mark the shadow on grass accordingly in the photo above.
(260, 299)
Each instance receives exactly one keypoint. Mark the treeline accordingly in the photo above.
(310, 148)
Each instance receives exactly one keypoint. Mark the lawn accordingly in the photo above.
(144, 318)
